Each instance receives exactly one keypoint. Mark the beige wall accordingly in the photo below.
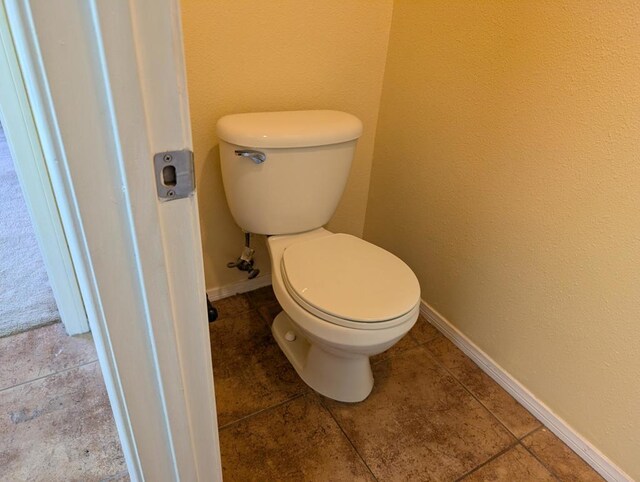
(245, 56)
(507, 173)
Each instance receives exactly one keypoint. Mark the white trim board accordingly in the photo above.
(558, 426)
(243, 286)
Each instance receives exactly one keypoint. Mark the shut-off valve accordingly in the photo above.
(246, 262)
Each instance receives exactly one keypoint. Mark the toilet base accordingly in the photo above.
(338, 375)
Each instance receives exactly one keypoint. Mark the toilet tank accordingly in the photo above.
(284, 172)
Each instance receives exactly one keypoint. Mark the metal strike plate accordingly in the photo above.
(175, 177)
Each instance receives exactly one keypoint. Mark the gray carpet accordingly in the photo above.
(26, 300)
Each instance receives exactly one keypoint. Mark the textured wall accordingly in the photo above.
(507, 173)
(245, 56)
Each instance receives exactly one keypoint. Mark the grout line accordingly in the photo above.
(463, 385)
(348, 438)
(518, 440)
(488, 461)
(551, 471)
(48, 375)
(253, 414)
(481, 402)
(534, 430)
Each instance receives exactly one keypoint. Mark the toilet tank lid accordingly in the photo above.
(303, 128)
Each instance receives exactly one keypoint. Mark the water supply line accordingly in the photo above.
(246, 262)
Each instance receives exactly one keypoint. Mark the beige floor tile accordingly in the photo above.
(419, 423)
(250, 371)
(296, 441)
(506, 409)
(514, 465)
(423, 331)
(232, 306)
(59, 428)
(261, 297)
(559, 458)
(40, 352)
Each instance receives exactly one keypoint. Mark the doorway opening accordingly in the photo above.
(26, 298)
(51, 387)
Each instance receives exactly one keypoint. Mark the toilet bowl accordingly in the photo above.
(331, 350)
(344, 299)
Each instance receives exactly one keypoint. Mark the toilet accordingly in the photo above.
(344, 299)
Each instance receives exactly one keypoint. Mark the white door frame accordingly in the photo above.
(107, 87)
(30, 166)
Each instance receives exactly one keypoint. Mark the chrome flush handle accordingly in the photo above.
(256, 156)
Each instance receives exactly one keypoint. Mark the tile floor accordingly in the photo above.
(55, 420)
(432, 415)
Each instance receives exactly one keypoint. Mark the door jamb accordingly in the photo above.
(107, 86)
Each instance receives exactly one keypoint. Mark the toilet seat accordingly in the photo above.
(349, 282)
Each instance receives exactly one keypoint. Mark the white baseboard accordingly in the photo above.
(568, 435)
(239, 287)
